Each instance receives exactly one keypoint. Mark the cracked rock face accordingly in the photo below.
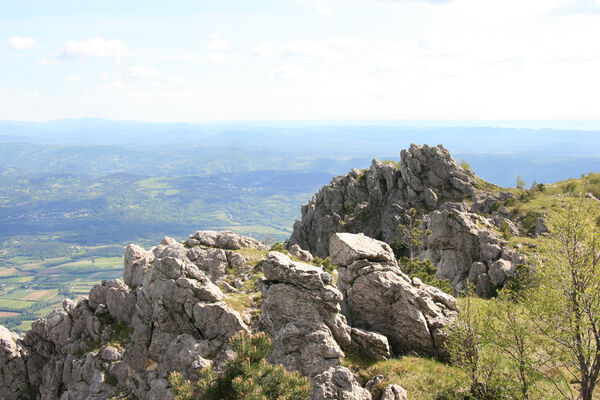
(379, 297)
(301, 312)
(447, 197)
(128, 336)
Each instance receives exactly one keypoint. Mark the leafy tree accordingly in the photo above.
(248, 376)
(508, 330)
(520, 182)
(411, 234)
(466, 345)
(566, 308)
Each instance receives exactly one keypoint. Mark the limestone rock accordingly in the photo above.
(226, 240)
(13, 369)
(499, 271)
(381, 298)
(337, 383)
(303, 255)
(394, 392)
(127, 337)
(301, 312)
(371, 344)
(137, 260)
(346, 248)
(376, 201)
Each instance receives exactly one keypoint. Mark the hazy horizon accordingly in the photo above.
(234, 60)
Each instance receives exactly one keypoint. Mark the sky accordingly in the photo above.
(231, 60)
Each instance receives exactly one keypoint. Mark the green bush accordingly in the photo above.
(529, 222)
(277, 246)
(247, 376)
(325, 264)
(510, 202)
(505, 229)
(425, 271)
(526, 196)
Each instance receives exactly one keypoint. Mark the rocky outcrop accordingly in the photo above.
(379, 297)
(303, 255)
(338, 383)
(298, 299)
(128, 336)
(301, 312)
(223, 240)
(394, 392)
(13, 365)
(450, 200)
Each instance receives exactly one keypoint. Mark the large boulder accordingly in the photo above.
(347, 248)
(379, 297)
(337, 383)
(301, 312)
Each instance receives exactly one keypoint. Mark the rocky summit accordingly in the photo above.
(460, 210)
(171, 314)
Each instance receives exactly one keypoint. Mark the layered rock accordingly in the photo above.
(379, 297)
(301, 312)
(449, 199)
(128, 336)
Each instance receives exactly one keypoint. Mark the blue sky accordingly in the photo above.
(196, 61)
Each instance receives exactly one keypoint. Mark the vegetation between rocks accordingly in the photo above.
(247, 376)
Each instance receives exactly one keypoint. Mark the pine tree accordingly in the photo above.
(247, 376)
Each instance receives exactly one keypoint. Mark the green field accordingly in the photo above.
(32, 286)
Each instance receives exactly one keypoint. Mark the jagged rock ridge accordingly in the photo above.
(169, 315)
(128, 336)
(452, 200)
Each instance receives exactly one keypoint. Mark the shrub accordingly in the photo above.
(465, 164)
(505, 229)
(467, 347)
(526, 196)
(425, 271)
(277, 246)
(510, 202)
(570, 187)
(529, 222)
(247, 376)
(325, 264)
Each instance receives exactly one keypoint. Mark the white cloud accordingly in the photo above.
(96, 47)
(267, 49)
(32, 94)
(324, 10)
(21, 43)
(142, 71)
(218, 44)
(176, 80)
(218, 58)
(288, 72)
(73, 78)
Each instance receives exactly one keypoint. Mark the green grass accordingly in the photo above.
(23, 326)
(14, 304)
(252, 255)
(423, 378)
(16, 295)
